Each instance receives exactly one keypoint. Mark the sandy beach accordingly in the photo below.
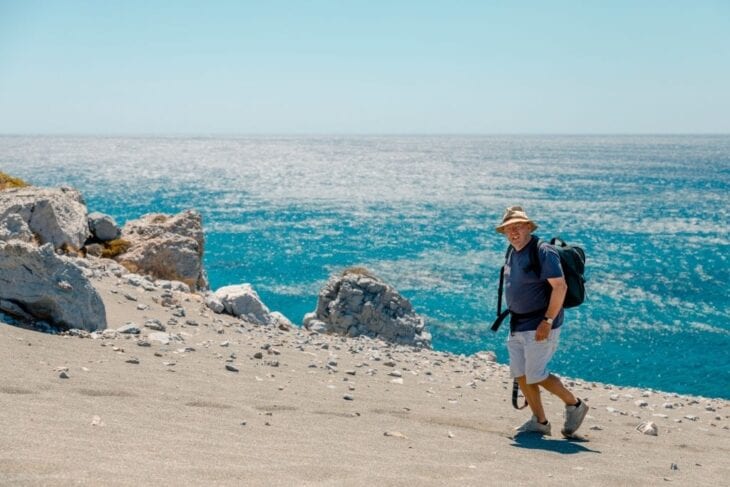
(227, 402)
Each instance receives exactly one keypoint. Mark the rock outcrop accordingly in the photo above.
(54, 215)
(357, 303)
(37, 284)
(166, 247)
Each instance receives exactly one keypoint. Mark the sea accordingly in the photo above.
(285, 213)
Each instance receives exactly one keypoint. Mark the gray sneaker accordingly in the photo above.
(574, 416)
(534, 426)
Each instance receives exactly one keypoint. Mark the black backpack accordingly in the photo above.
(572, 260)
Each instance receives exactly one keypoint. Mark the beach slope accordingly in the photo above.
(198, 398)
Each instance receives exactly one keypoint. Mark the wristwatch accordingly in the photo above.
(548, 320)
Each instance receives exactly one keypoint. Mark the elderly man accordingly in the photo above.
(536, 314)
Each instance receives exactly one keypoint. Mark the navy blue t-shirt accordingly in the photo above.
(525, 291)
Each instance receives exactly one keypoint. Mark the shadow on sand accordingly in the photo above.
(565, 446)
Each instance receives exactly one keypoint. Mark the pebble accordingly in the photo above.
(129, 329)
(348, 397)
(648, 428)
(154, 325)
(231, 368)
(132, 360)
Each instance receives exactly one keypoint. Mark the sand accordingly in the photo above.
(232, 403)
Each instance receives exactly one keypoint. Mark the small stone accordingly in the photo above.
(648, 428)
(231, 368)
(63, 375)
(258, 355)
(154, 325)
(348, 397)
(395, 434)
(132, 360)
(129, 329)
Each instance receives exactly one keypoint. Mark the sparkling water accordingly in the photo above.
(284, 213)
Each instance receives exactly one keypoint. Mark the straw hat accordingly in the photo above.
(515, 214)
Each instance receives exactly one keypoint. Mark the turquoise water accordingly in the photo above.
(283, 213)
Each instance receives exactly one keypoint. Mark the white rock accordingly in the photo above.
(648, 428)
(242, 301)
(56, 215)
(48, 287)
(103, 227)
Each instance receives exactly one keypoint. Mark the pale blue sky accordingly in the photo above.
(403, 67)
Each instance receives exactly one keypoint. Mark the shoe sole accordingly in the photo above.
(569, 434)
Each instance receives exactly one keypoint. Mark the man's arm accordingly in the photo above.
(557, 296)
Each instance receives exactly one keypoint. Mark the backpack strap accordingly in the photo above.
(515, 396)
(501, 315)
(535, 264)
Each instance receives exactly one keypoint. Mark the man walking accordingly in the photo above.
(536, 314)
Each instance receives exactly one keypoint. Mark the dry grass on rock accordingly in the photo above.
(7, 182)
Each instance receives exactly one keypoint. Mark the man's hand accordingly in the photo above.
(543, 331)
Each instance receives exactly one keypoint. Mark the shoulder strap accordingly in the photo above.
(535, 263)
(501, 279)
(501, 315)
(515, 396)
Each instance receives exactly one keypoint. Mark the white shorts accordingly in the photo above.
(530, 358)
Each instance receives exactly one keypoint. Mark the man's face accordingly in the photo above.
(518, 234)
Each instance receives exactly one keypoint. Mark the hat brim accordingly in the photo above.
(502, 226)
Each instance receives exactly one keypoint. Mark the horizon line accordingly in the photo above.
(353, 134)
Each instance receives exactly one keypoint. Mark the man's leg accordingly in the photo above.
(553, 385)
(532, 394)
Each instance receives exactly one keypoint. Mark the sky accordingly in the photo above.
(364, 67)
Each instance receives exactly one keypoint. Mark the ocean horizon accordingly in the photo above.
(286, 212)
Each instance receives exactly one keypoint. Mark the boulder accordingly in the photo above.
(168, 247)
(55, 215)
(241, 300)
(36, 283)
(103, 227)
(357, 303)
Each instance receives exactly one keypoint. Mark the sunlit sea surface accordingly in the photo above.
(284, 213)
